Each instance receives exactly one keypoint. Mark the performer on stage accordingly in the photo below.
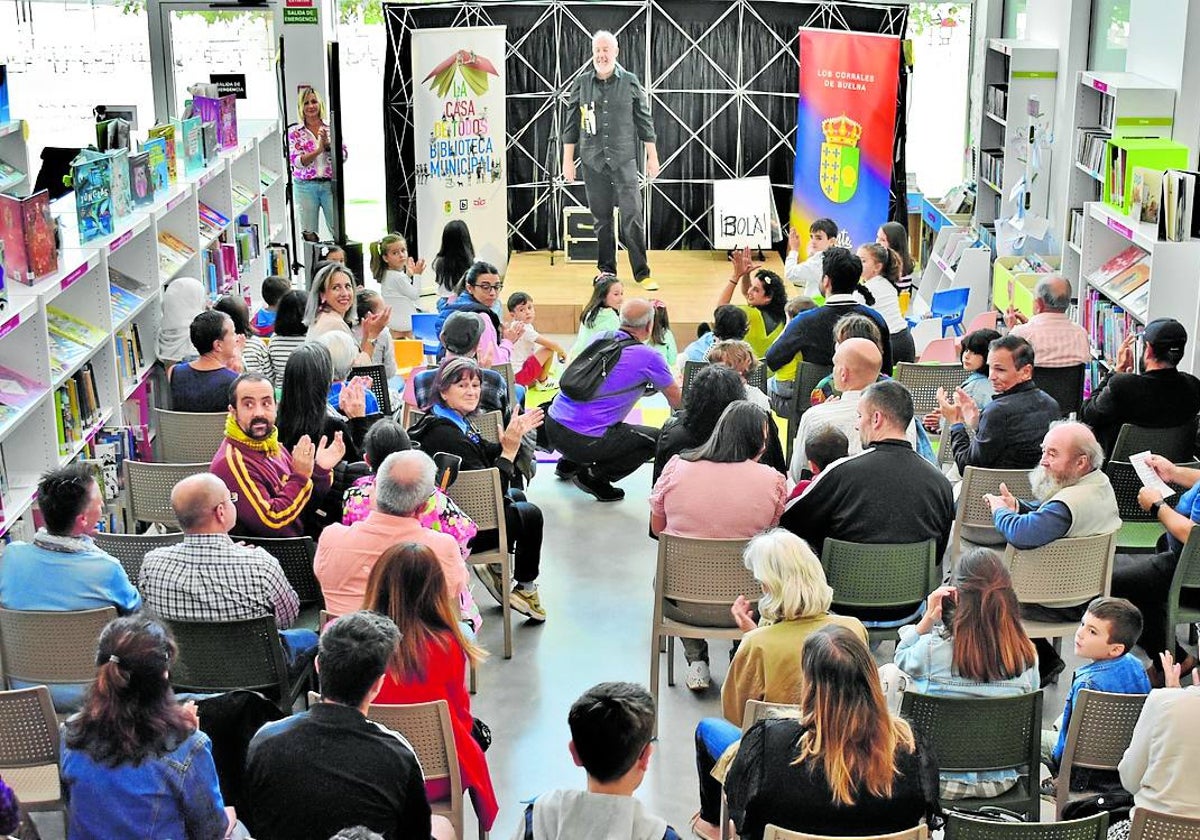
(606, 117)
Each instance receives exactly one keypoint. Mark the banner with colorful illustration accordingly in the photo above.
(844, 128)
(459, 137)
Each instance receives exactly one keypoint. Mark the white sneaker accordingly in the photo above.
(698, 678)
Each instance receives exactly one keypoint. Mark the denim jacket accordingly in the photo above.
(175, 795)
(608, 118)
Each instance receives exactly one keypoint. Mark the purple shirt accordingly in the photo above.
(638, 366)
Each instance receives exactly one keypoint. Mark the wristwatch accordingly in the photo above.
(1154, 506)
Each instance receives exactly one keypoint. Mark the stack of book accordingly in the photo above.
(996, 100)
(220, 267)
(1089, 147)
(76, 408)
(243, 196)
(106, 454)
(71, 339)
(277, 261)
(17, 392)
(991, 165)
(1125, 279)
(131, 361)
(212, 223)
(173, 254)
(247, 242)
(124, 302)
(1075, 227)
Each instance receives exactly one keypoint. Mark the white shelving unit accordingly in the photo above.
(80, 287)
(1113, 105)
(957, 260)
(1014, 71)
(15, 153)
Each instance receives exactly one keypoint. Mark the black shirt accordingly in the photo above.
(311, 775)
(1157, 399)
(1011, 428)
(616, 116)
(811, 334)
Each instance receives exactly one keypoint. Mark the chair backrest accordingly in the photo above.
(505, 369)
(757, 710)
(963, 827)
(1126, 484)
(379, 385)
(923, 381)
(1099, 733)
(807, 377)
(709, 572)
(227, 655)
(1186, 576)
(984, 321)
(149, 487)
(488, 423)
(691, 369)
(426, 727)
(980, 733)
(944, 350)
(774, 832)
(1155, 825)
(876, 576)
(295, 556)
(479, 494)
(949, 301)
(424, 327)
(1065, 384)
(189, 436)
(55, 648)
(29, 747)
(757, 376)
(1175, 443)
(974, 519)
(409, 352)
(130, 549)
(1068, 571)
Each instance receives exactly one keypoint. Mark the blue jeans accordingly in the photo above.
(713, 737)
(298, 642)
(312, 196)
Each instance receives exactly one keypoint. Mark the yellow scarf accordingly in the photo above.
(269, 446)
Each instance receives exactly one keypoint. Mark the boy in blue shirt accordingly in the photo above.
(1106, 635)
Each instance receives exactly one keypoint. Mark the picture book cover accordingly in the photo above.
(64, 353)
(9, 175)
(167, 133)
(112, 134)
(91, 174)
(192, 132)
(1147, 194)
(1130, 280)
(222, 111)
(40, 248)
(1117, 264)
(12, 237)
(140, 180)
(18, 391)
(211, 146)
(124, 302)
(159, 175)
(64, 324)
(122, 199)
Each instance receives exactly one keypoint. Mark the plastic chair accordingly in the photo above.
(1175, 443)
(774, 832)
(923, 381)
(1064, 573)
(189, 436)
(1140, 531)
(807, 377)
(149, 487)
(984, 321)
(879, 576)
(963, 827)
(217, 656)
(1155, 825)
(941, 350)
(756, 377)
(424, 328)
(479, 494)
(379, 385)
(700, 573)
(489, 424)
(29, 748)
(295, 556)
(409, 352)
(130, 549)
(506, 370)
(51, 648)
(1100, 731)
(691, 369)
(1065, 384)
(983, 733)
(949, 305)
(1185, 583)
(974, 521)
(755, 711)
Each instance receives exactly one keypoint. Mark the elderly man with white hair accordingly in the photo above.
(607, 115)
(1057, 340)
(1077, 500)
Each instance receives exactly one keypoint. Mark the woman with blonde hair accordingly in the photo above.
(312, 165)
(331, 307)
(845, 766)
(794, 604)
(970, 643)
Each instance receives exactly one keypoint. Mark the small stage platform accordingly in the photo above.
(688, 283)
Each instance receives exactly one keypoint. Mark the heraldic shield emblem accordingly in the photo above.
(839, 158)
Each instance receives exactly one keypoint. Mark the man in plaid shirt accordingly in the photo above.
(209, 577)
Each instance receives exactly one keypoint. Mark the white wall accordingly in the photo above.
(1164, 45)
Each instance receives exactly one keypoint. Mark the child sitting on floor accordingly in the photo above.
(823, 446)
(533, 354)
(661, 337)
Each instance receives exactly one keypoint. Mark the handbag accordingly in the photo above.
(482, 734)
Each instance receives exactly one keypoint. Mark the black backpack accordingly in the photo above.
(587, 372)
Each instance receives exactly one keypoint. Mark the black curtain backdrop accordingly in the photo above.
(722, 78)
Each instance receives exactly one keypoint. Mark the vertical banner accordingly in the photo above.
(459, 137)
(844, 128)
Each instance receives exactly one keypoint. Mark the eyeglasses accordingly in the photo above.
(489, 287)
(233, 500)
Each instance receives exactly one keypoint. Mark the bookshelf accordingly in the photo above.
(956, 260)
(15, 177)
(1014, 71)
(1107, 106)
(1109, 308)
(106, 295)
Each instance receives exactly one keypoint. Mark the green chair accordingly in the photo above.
(863, 576)
(1184, 584)
(923, 381)
(1139, 530)
(1175, 443)
(974, 734)
(807, 377)
(961, 827)
(1100, 731)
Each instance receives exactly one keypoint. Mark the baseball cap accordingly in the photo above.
(1165, 334)
(461, 333)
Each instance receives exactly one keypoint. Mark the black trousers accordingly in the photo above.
(1145, 579)
(623, 448)
(607, 188)
(523, 522)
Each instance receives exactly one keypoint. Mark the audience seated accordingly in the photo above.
(850, 326)
(304, 409)
(481, 295)
(342, 352)
(822, 447)
(209, 577)
(717, 491)
(1077, 500)
(369, 302)
(1160, 397)
(977, 385)
(460, 338)
(447, 428)
(134, 762)
(328, 768)
(290, 332)
(766, 302)
(739, 355)
(273, 485)
(273, 288)
(597, 446)
(845, 766)
(182, 300)
(1057, 340)
(881, 275)
(886, 494)
(795, 602)
(729, 322)
(254, 357)
(347, 554)
(1010, 428)
(612, 728)
(331, 308)
(429, 663)
(970, 643)
(203, 384)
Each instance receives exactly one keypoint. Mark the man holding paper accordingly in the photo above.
(1146, 579)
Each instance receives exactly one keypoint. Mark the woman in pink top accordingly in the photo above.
(751, 498)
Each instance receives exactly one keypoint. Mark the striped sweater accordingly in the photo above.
(270, 496)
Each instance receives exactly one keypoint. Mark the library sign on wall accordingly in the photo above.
(459, 137)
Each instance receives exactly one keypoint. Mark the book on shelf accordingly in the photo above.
(211, 145)
(220, 266)
(1089, 147)
(222, 112)
(192, 132)
(76, 329)
(1108, 106)
(124, 302)
(173, 253)
(91, 178)
(267, 177)
(77, 408)
(1116, 265)
(112, 134)
(122, 195)
(1180, 194)
(131, 361)
(166, 132)
(1137, 302)
(64, 353)
(159, 174)
(212, 223)
(277, 260)
(9, 175)
(996, 100)
(242, 195)
(248, 244)
(128, 282)
(1130, 280)
(27, 231)
(1107, 324)
(1146, 197)
(1075, 227)
(18, 391)
(141, 181)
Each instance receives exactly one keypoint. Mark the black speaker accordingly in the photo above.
(314, 252)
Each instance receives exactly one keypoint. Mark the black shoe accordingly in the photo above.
(1050, 675)
(566, 470)
(598, 487)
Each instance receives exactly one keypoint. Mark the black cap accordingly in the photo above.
(1166, 335)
